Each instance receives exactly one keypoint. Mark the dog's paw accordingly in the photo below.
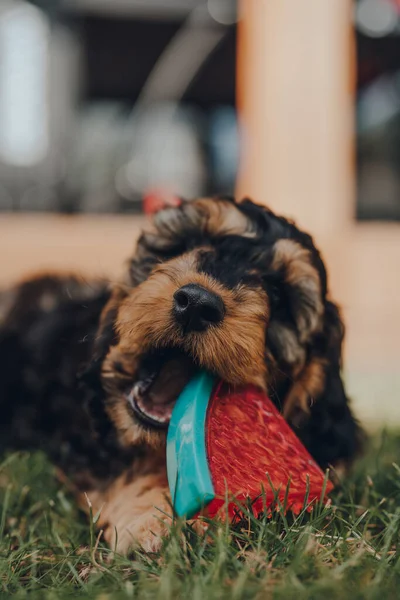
(134, 515)
(144, 532)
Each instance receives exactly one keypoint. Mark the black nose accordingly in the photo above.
(196, 308)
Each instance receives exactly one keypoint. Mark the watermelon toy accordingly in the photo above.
(233, 443)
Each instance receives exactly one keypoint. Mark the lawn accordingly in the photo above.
(347, 550)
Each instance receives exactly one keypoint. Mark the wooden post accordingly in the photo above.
(295, 97)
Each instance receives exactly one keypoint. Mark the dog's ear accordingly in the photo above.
(297, 306)
(327, 428)
(324, 357)
(330, 432)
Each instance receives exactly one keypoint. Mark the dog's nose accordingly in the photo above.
(196, 308)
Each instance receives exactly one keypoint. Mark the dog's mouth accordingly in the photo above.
(162, 375)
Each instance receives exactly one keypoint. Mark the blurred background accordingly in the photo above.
(105, 103)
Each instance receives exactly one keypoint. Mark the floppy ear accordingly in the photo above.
(330, 432)
(306, 335)
(296, 313)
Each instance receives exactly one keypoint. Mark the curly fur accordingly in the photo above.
(70, 349)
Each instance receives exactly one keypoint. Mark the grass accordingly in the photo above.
(350, 549)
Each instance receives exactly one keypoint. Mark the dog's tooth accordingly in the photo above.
(136, 389)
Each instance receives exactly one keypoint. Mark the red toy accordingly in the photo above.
(233, 443)
(251, 447)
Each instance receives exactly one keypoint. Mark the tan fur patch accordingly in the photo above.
(221, 217)
(301, 275)
(207, 216)
(133, 513)
(287, 343)
(308, 386)
(304, 296)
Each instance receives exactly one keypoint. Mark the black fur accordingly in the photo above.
(46, 340)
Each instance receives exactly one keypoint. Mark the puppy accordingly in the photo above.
(90, 374)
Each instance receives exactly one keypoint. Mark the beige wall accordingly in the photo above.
(91, 244)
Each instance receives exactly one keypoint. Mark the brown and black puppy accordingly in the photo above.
(90, 374)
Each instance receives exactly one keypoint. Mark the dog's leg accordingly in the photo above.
(134, 513)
